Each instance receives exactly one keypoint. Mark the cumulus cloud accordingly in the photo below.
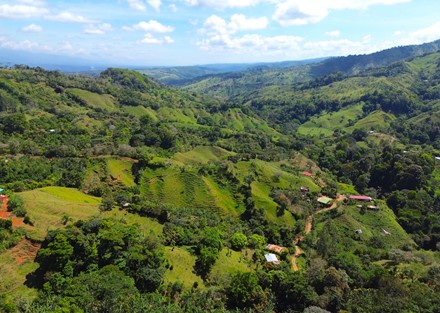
(151, 26)
(250, 43)
(20, 11)
(137, 5)
(155, 4)
(299, 12)
(237, 22)
(98, 29)
(32, 28)
(151, 40)
(66, 16)
(222, 4)
(430, 33)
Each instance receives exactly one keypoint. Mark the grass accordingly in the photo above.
(229, 262)
(372, 224)
(94, 100)
(47, 206)
(182, 263)
(146, 224)
(177, 187)
(14, 276)
(121, 170)
(377, 120)
(139, 111)
(202, 155)
(327, 123)
(223, 197)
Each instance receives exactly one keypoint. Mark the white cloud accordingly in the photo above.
(65, 48)
(250, 43)
(155, 4)
(151, 40)
(21, 11)
(137, 5)
(292, 13)
(299, 12)
(66, 16)
(151, 26)
(333, 33)
(99, 29)
(222, 4)
(32, 28)
(173, 8)
(238, 22)
(430, 33)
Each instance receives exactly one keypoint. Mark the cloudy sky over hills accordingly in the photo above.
(181, 32)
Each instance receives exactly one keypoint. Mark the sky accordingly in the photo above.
(190, 32)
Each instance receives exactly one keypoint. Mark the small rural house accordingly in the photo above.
(308, 174)
(361, 198)
(325, 200)
(271, 258)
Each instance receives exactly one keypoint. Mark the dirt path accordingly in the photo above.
(6, 215)
(308, 229)
(24, 250)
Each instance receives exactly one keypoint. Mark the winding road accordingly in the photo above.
(308, 229)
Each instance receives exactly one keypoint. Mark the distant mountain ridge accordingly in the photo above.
(181, 75)
(244, 86)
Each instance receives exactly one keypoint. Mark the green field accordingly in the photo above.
(94, 100)
(47, 206)
(182, 263)
(120, 169)
(327, 123)
(202, 155)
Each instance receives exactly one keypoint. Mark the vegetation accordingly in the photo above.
(145, 198)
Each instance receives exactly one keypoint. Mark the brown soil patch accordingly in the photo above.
(17, 221)
(25, 250)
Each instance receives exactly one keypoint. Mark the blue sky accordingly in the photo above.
(187, 32)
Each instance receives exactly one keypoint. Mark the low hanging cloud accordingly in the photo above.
(32, 28)
(299, 12)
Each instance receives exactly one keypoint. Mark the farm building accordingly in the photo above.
(361, 198)
(325, 200)
(304, 189)
(308, 174)
(271, 258)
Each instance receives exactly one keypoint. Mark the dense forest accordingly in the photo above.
(126, 195)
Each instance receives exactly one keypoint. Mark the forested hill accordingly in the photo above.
(241, 86)
(125, 195)
(181, 75)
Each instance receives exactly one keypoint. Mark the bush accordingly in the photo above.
(238, 241)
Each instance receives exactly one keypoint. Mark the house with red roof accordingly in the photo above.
(361, 198)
